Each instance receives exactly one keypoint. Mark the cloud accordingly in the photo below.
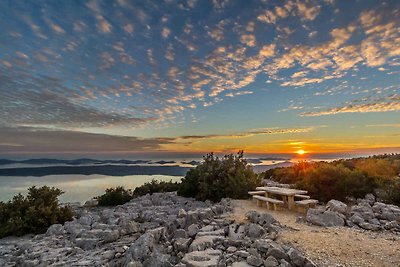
(248, 39)
(103, 25)
(263, 131)
(29, 140)
(165, 32)
(50, 103)
(233, 94)
(384, 125)
(361, 108)
(308, 10)
(129, 28)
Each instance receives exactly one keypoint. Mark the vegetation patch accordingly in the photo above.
(342, 178)
(217, 178)
(33, 213)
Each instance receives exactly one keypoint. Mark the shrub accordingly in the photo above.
(155, 187)
(217, 178)
(339, 179)
(33, 213)
(119, 195)
(115, 196)
(391, 192)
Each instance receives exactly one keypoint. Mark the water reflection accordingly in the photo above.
(76, 187)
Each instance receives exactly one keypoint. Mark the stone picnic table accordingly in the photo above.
(287, 194)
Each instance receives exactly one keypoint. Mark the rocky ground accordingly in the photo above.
(334, 245)
(157, 230)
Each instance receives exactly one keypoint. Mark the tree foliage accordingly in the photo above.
(342, 178)
(119, 195)
(217, 178)
(33, 213)
(115, 196)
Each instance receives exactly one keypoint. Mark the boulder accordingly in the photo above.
(182, 213)
(55, 229)
(206, 258)
(370, 198)
(356, 218)
(264, 219)
(91, 203)
(242, 253)
(369, 226)
(236, 231)
(145, 245)
(254, 260)
(263, 244)
(277, 253)
(193, 229)
(364, 211)
(180, 233)
(240, 264)
(296, 257)
(255, 230)
(204, 242)
(271, 262)
(87, 243)
(110, 235)
(158, 259)
(73, 228)
(325, 218)
(182, 244)
(336, 206)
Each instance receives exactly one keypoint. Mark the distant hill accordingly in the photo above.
(263, 168)
(112, 170)
(82, 161)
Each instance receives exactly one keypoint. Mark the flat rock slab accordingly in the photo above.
(206, 258)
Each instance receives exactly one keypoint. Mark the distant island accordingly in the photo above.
(112, 170)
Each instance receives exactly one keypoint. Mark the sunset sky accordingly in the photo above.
(184, 76)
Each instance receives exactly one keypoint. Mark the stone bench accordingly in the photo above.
(261, 193)
(268, 201)
(302, 196)
(305, 204)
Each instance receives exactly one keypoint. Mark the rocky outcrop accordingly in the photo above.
(367, 214)
(157, 230)
(325, 218)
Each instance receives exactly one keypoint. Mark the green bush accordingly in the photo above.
(115, 196)
(339, 179)
(391, 192)
(217, 178)
(33, 213)
(156, 187)
(119, 195)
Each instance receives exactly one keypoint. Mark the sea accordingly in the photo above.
(80, 187)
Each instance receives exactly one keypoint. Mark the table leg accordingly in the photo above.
(290, 202)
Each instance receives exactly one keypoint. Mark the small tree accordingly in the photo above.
(217, 178)
(33, 213)
(115, 196)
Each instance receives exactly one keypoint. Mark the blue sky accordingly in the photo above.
(123, 77)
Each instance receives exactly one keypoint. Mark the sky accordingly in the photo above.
(107, 78)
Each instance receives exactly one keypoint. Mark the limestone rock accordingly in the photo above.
(271, 262)
(204, 242)
(193, 229)
(336, 206)
(254, 260)
(55, 229)
(206, 258)
(325, 218)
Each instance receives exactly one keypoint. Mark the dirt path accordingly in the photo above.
(341, 246)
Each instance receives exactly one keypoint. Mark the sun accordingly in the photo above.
(300, 152)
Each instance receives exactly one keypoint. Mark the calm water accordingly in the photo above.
(76, 187)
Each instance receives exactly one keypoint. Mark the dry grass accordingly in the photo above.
(341, 246)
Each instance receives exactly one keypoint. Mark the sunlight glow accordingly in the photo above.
(300, 152)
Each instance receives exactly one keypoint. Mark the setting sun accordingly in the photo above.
(300, 152)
